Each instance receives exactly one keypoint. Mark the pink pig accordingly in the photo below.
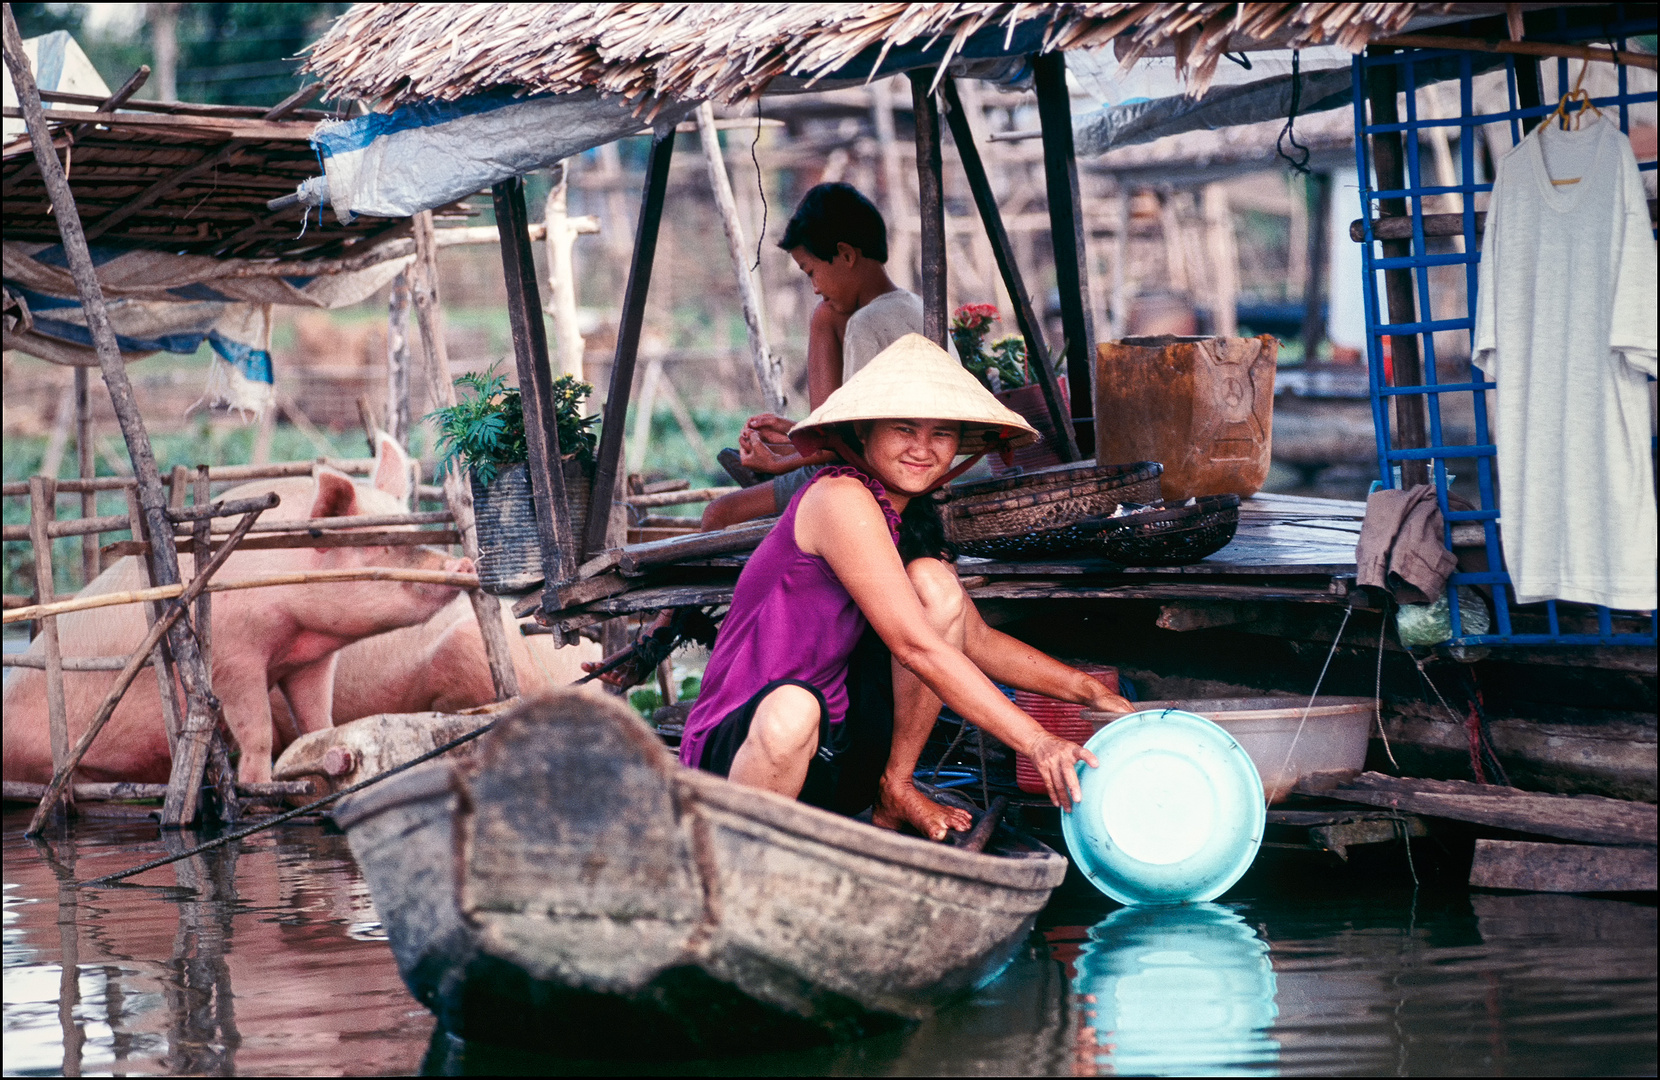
(279, 637)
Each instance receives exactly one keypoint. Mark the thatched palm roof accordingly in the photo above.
(401, 53)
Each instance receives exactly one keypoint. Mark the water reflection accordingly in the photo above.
(249, 958)
(1175, 990)
(267, 958)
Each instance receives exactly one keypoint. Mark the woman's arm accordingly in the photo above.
(839, 521)
(1013, 662)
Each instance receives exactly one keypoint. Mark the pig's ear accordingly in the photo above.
(336, 495)
(391, 471)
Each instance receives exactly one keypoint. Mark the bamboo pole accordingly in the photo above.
(894, 203)
(88, 463)
(769, 369)
(298, 577)
(641, 441)
(458, 495)
(167, 685)
(42, 503)
(560, 238)
(1646, 61)
(397, 362)
(61, 774)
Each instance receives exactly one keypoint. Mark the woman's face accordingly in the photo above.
(911, 455)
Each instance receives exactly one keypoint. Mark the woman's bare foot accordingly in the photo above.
(900, 804)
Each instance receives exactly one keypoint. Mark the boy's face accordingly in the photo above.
(836, 280)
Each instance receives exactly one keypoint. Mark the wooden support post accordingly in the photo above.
(1389, 165)
(458, 494)
(769, 369)
(43, 497)
(530, 350)
(397, 363)
(1314, 285)
(931, 206)
(628, 347)
(1066, 229)
(203, 710)
(1031, 329)
(86, 458)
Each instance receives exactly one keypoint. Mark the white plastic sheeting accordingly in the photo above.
(423, 156)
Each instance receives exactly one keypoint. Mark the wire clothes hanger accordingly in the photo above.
(1575, 118)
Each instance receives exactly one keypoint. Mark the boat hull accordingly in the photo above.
(574, 884)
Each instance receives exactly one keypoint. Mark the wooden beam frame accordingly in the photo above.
(1066, 227)
(203, 714)
(986, 201)
(936, 320)
(212, 161)
(530, 350)
(628, 347)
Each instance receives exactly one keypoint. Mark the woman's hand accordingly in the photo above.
(1055, 759)
(1103, 700)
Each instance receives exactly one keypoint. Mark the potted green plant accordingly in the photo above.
(1004, 368)
(484, 432)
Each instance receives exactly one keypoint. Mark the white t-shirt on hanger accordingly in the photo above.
(1565, 325)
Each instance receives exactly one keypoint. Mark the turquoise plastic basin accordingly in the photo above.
(1175, 812)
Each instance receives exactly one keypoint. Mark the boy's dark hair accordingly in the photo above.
(832, 214)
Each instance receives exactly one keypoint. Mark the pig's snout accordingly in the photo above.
(462, 565)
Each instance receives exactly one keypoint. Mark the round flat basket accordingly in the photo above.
(1175, 812)
(1167, 537)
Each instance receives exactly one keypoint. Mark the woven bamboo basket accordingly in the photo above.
(509, 550)
(1032, 514)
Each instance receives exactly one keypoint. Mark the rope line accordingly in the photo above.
(242, 834)
(1311, 698)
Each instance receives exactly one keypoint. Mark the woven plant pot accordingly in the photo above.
(509, 551)
(1032, 516)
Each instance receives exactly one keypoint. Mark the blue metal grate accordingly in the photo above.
(1534, 624)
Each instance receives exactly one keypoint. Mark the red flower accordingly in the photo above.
(974, 317)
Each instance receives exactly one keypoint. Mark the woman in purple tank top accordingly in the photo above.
(853, 593)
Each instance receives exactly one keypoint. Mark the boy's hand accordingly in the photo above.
(767, 424)
(756, 454)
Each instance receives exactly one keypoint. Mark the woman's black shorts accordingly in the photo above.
(844, 773)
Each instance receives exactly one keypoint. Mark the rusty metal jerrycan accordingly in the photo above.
(1203, 406)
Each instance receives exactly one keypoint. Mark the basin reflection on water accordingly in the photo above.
(267, 957)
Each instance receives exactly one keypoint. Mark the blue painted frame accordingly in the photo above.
(1474, 383)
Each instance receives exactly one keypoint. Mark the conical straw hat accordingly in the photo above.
(915, 379)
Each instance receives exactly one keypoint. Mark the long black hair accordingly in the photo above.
(921, 529)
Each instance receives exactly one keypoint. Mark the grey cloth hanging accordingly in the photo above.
(1402, 546)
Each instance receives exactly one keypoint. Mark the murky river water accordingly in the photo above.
(268, 958)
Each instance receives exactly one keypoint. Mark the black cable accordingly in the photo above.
(1288, 132)
(760, 186)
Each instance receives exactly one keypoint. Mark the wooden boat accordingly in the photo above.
(573, 883)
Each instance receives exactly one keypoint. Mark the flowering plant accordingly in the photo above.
(1000, 366)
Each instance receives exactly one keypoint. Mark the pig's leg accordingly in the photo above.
(247, 704)
(310, 693)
